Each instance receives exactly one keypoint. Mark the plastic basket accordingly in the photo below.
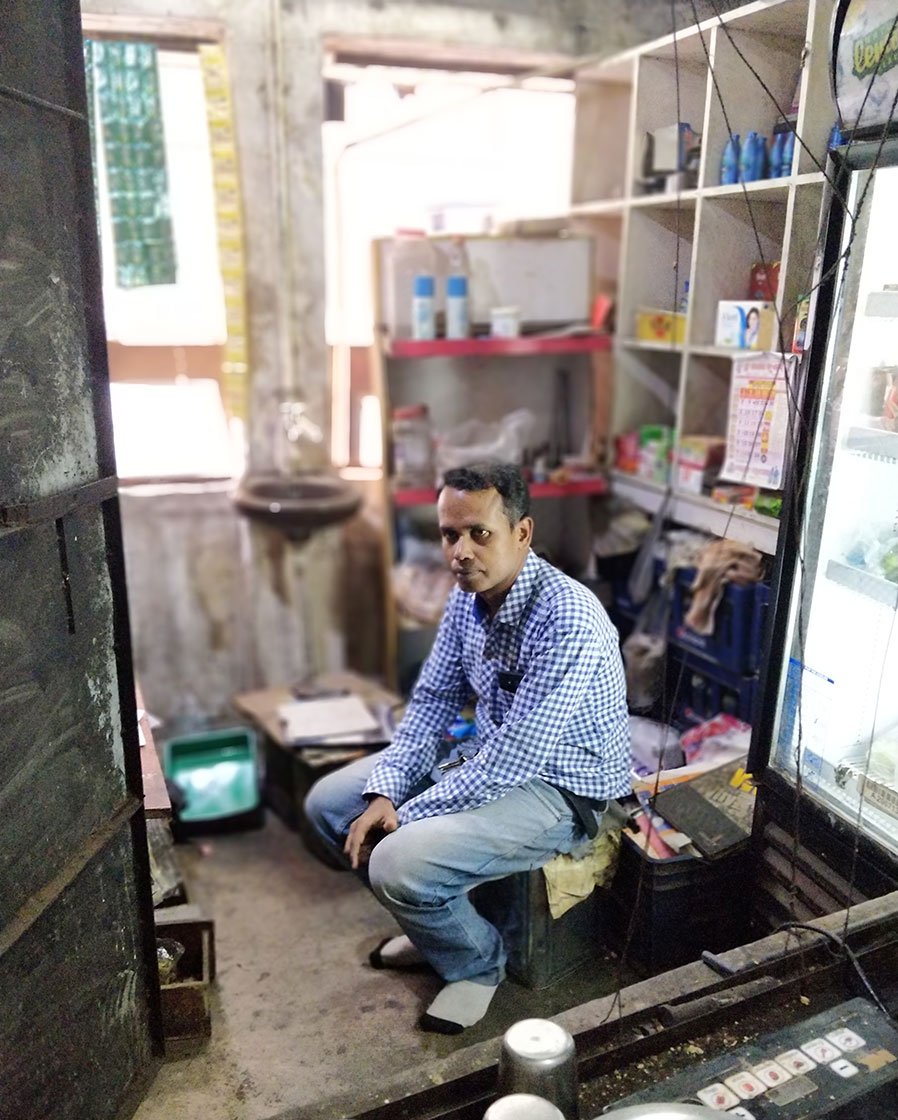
(218, 772)
(730, 643)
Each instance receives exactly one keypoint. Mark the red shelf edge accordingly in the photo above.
(576, 488)
(496, 347)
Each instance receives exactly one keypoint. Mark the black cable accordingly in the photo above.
(843, 945)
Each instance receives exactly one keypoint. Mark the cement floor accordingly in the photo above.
(298, 1016)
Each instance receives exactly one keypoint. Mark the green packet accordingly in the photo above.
(770, 504)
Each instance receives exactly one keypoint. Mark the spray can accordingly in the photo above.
(423, 309)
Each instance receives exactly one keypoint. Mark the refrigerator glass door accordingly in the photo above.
(836, 731)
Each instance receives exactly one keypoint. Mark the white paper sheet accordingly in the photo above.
(327, 719)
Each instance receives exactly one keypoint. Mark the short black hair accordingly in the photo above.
(505, 478)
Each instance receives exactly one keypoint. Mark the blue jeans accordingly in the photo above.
(423, 871)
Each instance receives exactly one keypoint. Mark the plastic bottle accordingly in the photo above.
(457, 320)
(761, 160)
(412, 447)
(836, 139)
(408, 255)
(457, 325)
(729, 163)
(683, 305)
(424, 320)
(788, 153)
(776, 154)
(747, 158)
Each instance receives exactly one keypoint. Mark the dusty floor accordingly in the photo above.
(299, 1018)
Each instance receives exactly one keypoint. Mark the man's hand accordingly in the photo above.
(379, 817)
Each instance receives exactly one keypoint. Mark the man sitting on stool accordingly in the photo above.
(540, 655)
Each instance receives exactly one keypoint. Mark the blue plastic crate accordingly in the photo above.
(758, 619)
(623, 601)
(706, 689)
(729, 646)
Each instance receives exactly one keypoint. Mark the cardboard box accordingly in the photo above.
(745, 325)
(697, 462)
(655, 442)
(660, 326)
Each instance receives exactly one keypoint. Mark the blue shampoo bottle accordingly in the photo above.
(729, 163)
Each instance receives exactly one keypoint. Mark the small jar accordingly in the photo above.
(412, 447)
(505, 322)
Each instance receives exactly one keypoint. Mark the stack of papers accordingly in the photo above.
(331, 720)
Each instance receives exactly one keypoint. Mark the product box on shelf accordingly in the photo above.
(745, 324)
(655, 442)
(660, 326)
(764, 281)
(729, 643)
(800, 330)
(735, 494)
(697, 461)
(626, 452)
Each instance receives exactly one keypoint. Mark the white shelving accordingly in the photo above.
(699, 512)
(713, 233)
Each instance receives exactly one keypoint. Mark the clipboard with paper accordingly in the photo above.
(332, 721)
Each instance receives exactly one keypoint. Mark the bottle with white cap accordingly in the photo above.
(424, 309)
(457, 319)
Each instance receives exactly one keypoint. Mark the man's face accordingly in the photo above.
(484, 551)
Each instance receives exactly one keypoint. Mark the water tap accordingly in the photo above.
(297, 424)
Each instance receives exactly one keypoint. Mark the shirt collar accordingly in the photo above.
(519, 594)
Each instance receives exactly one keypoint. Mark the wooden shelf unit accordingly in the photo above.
(712, 232)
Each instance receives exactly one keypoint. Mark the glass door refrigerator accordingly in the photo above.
(825, 741)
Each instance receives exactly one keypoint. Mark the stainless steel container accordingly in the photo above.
(538, 1057)
(522, 1106)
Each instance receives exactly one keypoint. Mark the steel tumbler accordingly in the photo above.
(538, 1057)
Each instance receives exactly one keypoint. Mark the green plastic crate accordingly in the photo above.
(218, 772)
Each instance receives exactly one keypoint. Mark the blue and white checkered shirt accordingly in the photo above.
(566, 722)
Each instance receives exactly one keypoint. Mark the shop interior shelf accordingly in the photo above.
(865, 583)
(497, 347)
(577, 487)
(874, 442)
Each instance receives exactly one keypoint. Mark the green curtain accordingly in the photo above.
(126, 78)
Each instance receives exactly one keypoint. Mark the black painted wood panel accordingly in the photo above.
(80, 1028)
(61, 750)
(74, 1023)
(32, 58)
(47, 423)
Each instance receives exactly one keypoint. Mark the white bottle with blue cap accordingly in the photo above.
(424, 322)
(457, 324)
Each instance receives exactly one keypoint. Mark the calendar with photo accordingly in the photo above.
(758, 420)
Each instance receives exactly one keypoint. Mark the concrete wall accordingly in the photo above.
(216, 606)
